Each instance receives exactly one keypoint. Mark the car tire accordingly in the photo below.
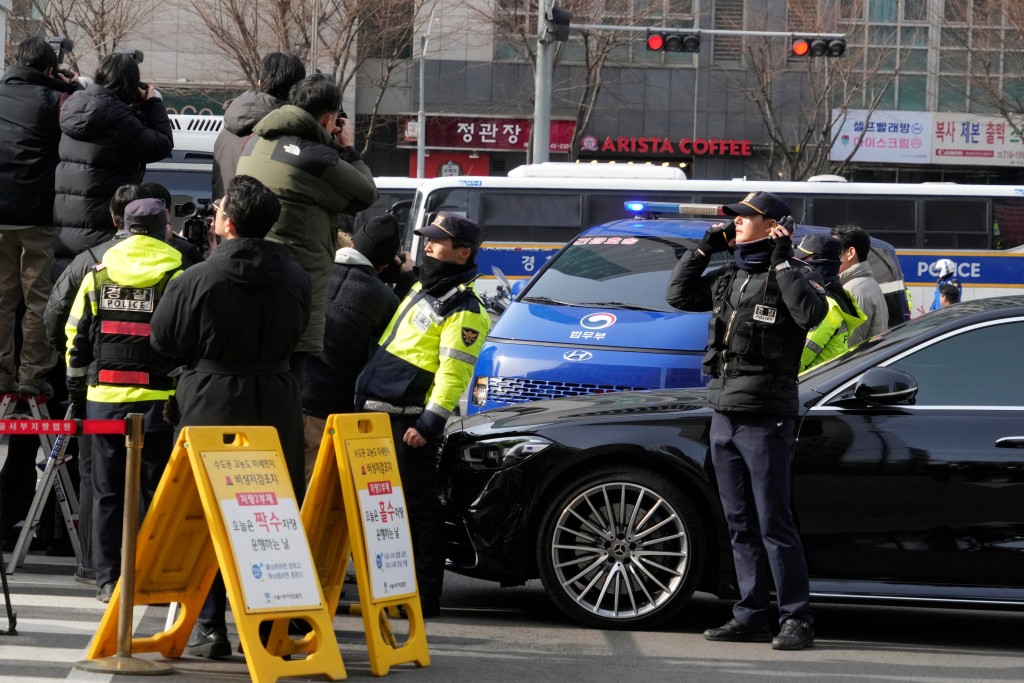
(631, 569)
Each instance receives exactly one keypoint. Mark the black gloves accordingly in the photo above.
(783, 249)
(717, 239)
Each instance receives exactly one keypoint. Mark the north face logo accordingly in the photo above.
(292, 149)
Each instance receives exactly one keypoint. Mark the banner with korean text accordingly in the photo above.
(913, 137)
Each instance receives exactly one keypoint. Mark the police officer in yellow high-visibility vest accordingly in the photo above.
(831, 337)
(112, 370)
(423, 365)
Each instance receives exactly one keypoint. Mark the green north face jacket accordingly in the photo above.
(296, 158)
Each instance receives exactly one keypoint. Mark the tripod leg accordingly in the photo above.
(12, 618)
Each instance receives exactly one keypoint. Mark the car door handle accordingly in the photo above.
(1010, 442)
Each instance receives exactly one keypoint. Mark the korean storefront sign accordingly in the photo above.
(666, 146)
(926, 138)
(481, 133)
(261, 518)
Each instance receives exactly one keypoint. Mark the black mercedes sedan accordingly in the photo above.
(908, 481)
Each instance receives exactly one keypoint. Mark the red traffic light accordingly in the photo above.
(685, 41)
(816, 46)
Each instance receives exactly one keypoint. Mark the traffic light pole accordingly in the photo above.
(546, 59)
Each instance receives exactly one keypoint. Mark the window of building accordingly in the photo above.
(728, 16)
(386, 30)
(915, 10)
(883, 10)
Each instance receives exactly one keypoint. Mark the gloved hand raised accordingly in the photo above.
(781, 236)
(717, 238)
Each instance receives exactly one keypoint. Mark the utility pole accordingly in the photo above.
(542, 83)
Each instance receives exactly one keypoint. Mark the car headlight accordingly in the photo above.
(478, 396)
(502, 453)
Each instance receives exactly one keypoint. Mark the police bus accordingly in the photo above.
(529, 215)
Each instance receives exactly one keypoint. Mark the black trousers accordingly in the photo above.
(109, 458)
(752, 454)
(422, 489)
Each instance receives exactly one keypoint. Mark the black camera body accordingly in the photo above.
(62, 45)
(198, 218)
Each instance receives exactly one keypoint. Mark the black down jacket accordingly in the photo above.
(105, 144)
(234, 321)
(29, 135)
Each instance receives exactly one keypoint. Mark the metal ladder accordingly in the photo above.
(54, 476)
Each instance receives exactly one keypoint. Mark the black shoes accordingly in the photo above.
(85, 575)
(736, 632)
(105, 591)
(795, 635)
(208, 641)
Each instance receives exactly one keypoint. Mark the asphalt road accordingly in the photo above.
(491, 634)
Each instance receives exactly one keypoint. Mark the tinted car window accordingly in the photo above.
(972, 368)
(603, 271)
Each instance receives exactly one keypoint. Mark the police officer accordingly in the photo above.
(113, 371)
(423, 365)
(831, 337)
(762, 307)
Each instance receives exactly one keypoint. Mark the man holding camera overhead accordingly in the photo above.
(31, 93)
(761, 308)
(303, 152)
(111, 130)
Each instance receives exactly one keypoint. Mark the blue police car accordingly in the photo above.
(594, 319)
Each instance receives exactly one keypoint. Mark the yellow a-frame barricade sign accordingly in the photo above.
(225, 501)
(355, 503)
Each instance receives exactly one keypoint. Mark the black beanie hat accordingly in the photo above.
(378, 240)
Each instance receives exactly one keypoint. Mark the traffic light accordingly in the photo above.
(560, 19)
(665, 41)
(815, 46)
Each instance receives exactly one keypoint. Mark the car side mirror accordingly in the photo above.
(886, 386)
(517, 287)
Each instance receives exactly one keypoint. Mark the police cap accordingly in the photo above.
(452, 226)
(759, 204)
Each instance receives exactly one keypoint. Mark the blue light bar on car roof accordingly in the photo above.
(668, 208)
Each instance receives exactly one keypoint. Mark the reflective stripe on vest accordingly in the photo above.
(124, 377)
(124, 327)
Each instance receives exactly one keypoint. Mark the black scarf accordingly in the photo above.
(828, 270)
(754, 257)
(437, 277)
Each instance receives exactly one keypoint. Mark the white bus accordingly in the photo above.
(528, 216)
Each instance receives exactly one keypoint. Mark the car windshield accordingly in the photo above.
(615, 270)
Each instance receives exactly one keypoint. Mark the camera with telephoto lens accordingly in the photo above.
(198, 217)
(62, 45)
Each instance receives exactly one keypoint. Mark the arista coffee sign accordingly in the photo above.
(667, 146)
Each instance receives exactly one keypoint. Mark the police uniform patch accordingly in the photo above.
(764, 314)
(469, 336)
(817, 286)
(115, 297)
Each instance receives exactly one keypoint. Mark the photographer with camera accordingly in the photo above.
(111, 130)
(193, 250)
(279, 71)
(31, 94)
(762, 306)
